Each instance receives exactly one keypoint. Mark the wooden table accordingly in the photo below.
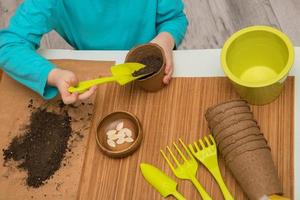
(196, 63)
(192, 63)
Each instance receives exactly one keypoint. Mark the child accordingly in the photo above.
(86, 25)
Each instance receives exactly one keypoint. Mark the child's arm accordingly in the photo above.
(18, 44)
(167, 43)
(171, 26)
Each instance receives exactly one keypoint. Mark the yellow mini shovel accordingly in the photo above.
(160, 181)
(121, 73)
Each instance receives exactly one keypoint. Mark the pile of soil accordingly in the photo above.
(41, 148)
(152, 65)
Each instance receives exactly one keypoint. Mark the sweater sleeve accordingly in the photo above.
(18, 44)
(171, 19)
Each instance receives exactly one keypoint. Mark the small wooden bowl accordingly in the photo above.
(110, 122)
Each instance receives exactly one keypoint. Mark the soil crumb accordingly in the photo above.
(42, 146)
(153, 65)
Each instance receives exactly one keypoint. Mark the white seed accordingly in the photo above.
(113, 137)
(111, 143)
(128, 132)
(120, 126)
(120, 134)
(122, 131)
(129, 139)
(111, 132)
(120, 141)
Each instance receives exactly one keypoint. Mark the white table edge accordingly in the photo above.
(201, 63)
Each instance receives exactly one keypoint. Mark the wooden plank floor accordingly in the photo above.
(211, 21)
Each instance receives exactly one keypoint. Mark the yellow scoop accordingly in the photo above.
(121, 73)
(160, 181)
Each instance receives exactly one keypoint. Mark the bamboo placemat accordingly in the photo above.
(178, 112)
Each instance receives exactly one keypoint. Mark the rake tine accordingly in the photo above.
(186, 149)
(173, 156)
(207, 141)
(180, 152)
(168, 161)
(202, 144)
(212, 139)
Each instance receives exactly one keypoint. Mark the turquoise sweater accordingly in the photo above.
(86, 25)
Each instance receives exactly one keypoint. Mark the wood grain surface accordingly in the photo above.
(178, 112)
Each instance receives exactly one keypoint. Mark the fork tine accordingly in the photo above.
(168, 161)
(212, 139)
(186, 149)
(173, 156)
(207, 141)
(180, 152)
(202, 143)
(192, 148)
(197, 147)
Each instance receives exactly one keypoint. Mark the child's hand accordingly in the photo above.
(63, 79)
(166, 41)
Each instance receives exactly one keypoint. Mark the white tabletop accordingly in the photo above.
(195, 63)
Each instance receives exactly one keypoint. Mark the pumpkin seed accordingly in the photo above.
(113, 137)
(111, 132)
(120, 126)
(129, 139)
(120, 141)
(120, 134)
(128, 132)
(111, 143)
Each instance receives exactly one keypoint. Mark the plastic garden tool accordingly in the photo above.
(207, 155)
(187, 170)
(160, 181)
(121, 73)
(276, 197)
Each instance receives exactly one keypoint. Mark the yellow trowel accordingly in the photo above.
(121, 74)
(160, 181)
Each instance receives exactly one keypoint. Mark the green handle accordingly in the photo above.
(200, 189)
(218, 177)
(85, 85)
(178, 196)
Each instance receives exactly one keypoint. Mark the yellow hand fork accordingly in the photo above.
(187, 170)
(208, 157)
